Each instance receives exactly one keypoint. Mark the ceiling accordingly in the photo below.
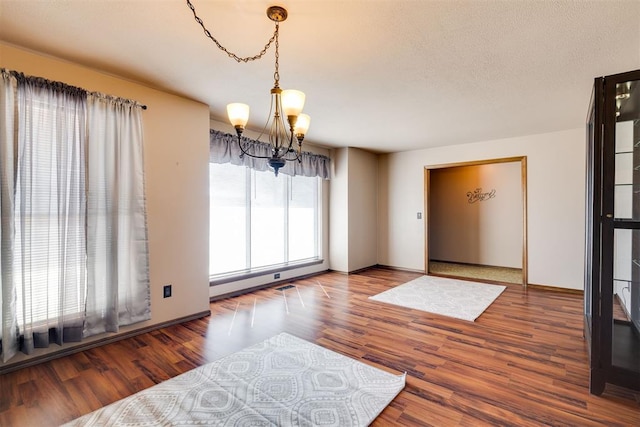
(387, 76)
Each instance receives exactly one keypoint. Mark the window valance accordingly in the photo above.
(223, 148)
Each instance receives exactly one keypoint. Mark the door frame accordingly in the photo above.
(523, 174)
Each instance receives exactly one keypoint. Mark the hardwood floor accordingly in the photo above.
(522, 363)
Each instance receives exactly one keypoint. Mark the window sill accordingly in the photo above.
(272, 269)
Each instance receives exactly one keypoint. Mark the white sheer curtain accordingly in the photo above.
(8, 316)
(118, 266)
(48, 266)
(74, 257)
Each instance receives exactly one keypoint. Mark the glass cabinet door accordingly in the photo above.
(624, 98)
(612, 261)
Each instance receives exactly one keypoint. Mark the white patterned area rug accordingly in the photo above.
(283, 381)
(439, 295)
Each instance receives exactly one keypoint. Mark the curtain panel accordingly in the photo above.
(223, 148)
(73, 234)
(117, 246)
(9, 334)
(49, 211)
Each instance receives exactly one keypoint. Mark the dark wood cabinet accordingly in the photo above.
(612, 277)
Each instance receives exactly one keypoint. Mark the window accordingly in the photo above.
(73, 230)
(260, 221)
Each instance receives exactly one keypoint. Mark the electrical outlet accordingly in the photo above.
(276, 276)
(419, 215)
(166, 291)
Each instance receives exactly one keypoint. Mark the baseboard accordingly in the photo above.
(474, 279)
(361, 270)
(97, 343)
(264, 286)
(346, 273)
(371, 267)
(471, 264)
(555, 289)
(408, 270)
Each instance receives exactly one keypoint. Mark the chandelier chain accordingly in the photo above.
(276, 73)
(233, 55)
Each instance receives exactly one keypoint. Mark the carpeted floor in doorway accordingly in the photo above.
(478, 272)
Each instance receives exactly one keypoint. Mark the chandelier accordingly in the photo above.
(285, 138)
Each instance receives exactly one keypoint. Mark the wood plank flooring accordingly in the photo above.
(522, 363)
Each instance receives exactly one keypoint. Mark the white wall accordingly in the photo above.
(556, 202)
(485, 232)
(176, 134)
(265, 279)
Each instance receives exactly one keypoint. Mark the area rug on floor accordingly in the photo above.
(283, 381)
(449, 297)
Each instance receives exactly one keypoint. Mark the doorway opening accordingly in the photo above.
(476, 220)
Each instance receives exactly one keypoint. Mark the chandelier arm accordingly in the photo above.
(244, 152)
(297, 158)
(290, 147)
(224, 49)
(298, 154)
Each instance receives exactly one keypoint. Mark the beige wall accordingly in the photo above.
(363, 209)
(176, 141)
(487, 232)
(338, 211)
(354, 210)
(555, 196)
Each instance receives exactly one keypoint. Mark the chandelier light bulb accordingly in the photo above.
(238, 114)
(292, 102)
(302, 125)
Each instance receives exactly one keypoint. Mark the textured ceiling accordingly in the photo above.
(383, 75)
